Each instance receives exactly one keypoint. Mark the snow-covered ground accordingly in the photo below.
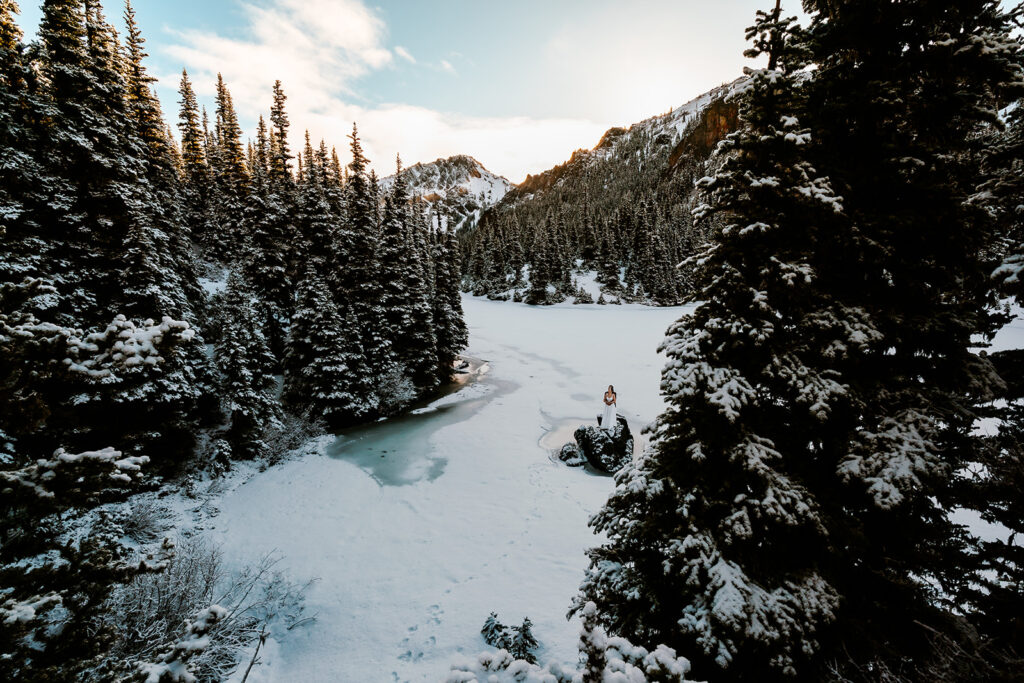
(417, 528)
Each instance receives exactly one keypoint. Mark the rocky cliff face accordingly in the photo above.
(460, 187)
(720, 118)
(641, 155)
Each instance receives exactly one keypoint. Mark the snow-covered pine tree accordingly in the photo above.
(317, 217)
(48, 615)
(355, 265)
(22, 179)
(820, 399)
(449, 325)
(716, 534)
(494, 632)
(523, 642)
(540, 269)
(195, 173)
(163, 206)
(1003, 191)
(229, 180)
(325, 368)
(92, 164)
(992, 487)
(902, 152)
(273, 230)
(243, 356)
(394, 259)
(402, 287)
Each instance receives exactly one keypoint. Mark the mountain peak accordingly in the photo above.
(458, 185)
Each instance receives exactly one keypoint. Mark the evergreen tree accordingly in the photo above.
(449, 325)
(22, 176)
(355, 267)
(195, 173)
(751, 393)
(523, 643)
(166, 270)
(407, 312)
(325, 368)
(246, 364)
(272, 232)
(789, 515)
(495, 633)
(230, 180)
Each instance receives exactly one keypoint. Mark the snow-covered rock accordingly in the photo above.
(607, 451)
(459, 186)
(570, 454)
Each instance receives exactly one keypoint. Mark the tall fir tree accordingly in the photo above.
(23, 180)
(355, 266)
(789, 518)
(715, 535)
(273, 231)
(407, 313)
(246, 366)
(195, 171)
(449, 325)
(229, 188)
(325, 367)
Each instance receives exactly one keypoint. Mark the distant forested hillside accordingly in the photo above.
(622, 209)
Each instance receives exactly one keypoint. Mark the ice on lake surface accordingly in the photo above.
(399, 451)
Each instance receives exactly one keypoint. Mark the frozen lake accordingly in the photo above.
(417, 528)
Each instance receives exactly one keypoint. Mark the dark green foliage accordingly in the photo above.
(624, 205)
(101, 218)
(495, 633)
(325, 367)
(246, 365)
(790, 519)
(449, 325)
(523, 643)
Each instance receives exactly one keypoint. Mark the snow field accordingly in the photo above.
(407, 574)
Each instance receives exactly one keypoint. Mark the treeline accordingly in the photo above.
(832, 423)
(339, 306)
(622, 210)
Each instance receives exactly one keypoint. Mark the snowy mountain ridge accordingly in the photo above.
(646, 148)
(459, 186)
(665, 129)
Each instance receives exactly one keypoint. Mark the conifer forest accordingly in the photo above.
(735, 394)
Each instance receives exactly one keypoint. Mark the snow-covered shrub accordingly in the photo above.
(395, 391)
(143, 520)
(517, 640)
(582, 296)
(173, 666)
(149, 611)
(58, 562)
(290, 433)
(602, 660)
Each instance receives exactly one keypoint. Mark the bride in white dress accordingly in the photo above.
(608, 419)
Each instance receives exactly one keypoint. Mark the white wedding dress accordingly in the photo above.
(608, 419)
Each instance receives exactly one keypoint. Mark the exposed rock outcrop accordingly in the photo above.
(606, 450)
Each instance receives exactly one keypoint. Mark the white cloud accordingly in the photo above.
(318, 49)
(511, 146)
(404, 54)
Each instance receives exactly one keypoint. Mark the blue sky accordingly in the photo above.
(519, 85)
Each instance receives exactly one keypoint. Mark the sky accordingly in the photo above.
(518, 85)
